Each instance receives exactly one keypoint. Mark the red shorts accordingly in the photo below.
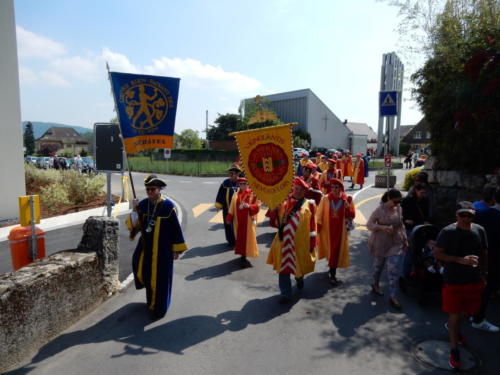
(462, 298)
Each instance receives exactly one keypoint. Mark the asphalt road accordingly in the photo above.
(225, 317)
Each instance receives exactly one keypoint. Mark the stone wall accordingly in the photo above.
(44, 298)
(450, 187)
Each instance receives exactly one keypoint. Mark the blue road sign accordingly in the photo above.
(388, 103)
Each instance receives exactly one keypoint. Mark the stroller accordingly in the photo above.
(426, 271)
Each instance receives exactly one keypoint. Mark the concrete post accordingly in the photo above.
(11, 141)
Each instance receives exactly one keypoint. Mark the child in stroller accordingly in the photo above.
(426, 275)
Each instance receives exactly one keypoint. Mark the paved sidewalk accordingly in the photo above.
(226, 319)
(74, 218)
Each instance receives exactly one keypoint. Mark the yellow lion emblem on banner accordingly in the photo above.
(146, 104)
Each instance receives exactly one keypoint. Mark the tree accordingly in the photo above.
(404, 148)
(301, 142)
(225, 124)
(301, 138)
(89, 136)
(458, 86)
(49, 149)
(258, 113)
(189, 138)
(29, 139)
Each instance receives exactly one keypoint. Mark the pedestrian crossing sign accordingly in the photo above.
(388, 103)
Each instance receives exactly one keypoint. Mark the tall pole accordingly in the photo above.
(391, 79)
(119, 126)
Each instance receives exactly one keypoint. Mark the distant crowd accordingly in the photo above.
(77, 163)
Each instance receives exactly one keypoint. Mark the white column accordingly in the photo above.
(11, 141)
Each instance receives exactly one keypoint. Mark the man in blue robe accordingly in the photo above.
(226, 190)
(160, 243)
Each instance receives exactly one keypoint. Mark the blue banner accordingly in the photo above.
(146, 108)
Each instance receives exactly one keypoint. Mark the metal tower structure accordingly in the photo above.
(391, 79)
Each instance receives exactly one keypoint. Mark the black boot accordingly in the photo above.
(243, 260)
(300, 282)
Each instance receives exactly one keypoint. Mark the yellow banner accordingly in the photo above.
(142, 142)
(266, 155)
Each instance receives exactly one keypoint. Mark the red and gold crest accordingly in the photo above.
(266, 155)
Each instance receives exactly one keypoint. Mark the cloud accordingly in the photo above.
(86, 69)
(191, 71)
(62, 69)
(27, 76)
(196, 71)
(31, 45)
(53, 79)
(118, 62)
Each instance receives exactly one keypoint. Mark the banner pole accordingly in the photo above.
(119, 122)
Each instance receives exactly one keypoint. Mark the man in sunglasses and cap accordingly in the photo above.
(160, 243)
(462, 247)
(224, 196)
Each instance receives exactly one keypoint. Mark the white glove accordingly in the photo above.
(134, 217)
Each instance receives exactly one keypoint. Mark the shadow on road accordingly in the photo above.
(266, 239)
(219, 270)
(206, 251)
(128, 325)
(216, 227)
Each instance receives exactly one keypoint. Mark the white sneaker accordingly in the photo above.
(485, 326)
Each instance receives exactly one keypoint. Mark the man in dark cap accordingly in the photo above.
(160, 243)
(462, 247)
(226, 190)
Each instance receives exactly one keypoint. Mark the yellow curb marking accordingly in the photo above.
(360, 219)
(218, 219)
(201, 208)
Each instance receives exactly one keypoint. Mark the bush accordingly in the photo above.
(82, 187)
(40, 177)
(410, 178)
(404, 148)
(54, 196)
(57, 188)
(186, 168)
(66, 154)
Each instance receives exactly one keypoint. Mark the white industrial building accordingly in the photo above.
(313, 116)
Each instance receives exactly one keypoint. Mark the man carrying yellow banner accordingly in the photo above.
(293, 251)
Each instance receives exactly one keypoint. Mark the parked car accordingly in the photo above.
(321, 150)
(88, 165)
(44, 162)
(331, 151)
(298, 151)
(33, 160)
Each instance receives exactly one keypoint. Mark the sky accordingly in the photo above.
(223, 51)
